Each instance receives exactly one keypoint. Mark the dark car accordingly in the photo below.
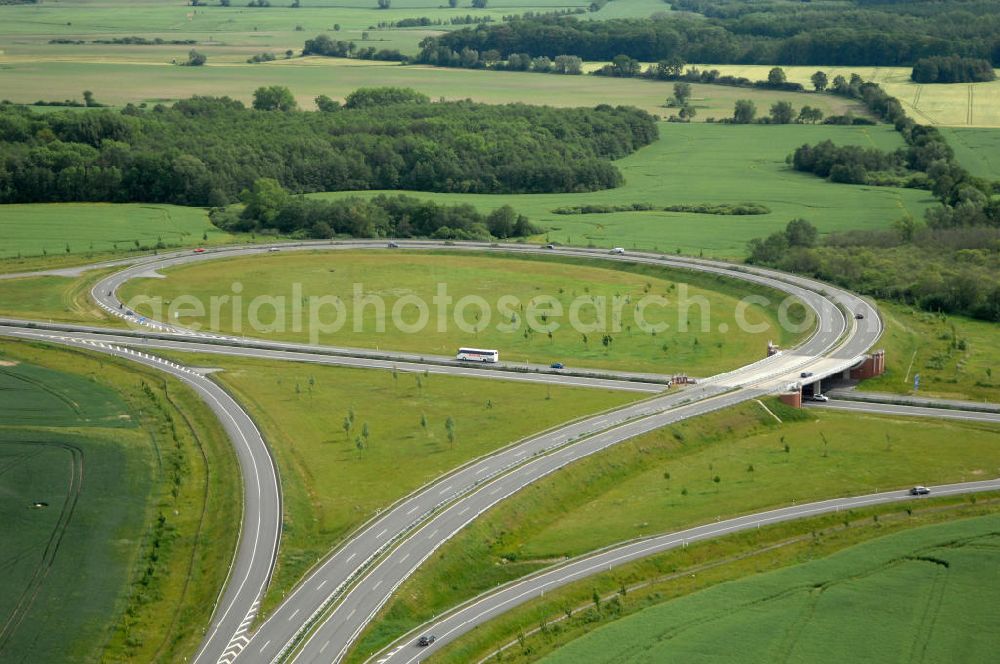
(426, 640)
(919, 491)
(393, 245)
(806, 374)
(557, 365)
(859, 316)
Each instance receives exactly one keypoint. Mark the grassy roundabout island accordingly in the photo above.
(577, 312)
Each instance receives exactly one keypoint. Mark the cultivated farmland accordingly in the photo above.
(72, 229)
(949, 105)
(82, 480)
(703, 163)
(920, 591)
(732, 462)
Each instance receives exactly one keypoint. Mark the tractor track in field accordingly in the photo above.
(35, 584)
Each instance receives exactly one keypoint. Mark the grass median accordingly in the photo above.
(680, 578)
(737, 461)
(350, 442)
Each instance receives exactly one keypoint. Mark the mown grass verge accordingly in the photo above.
(542, 626)
(736, 461)
(349, 442)
(56, 299)
(955, 357)
(157, 470)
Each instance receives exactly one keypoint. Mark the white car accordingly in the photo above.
(618, 250)
(820, 397)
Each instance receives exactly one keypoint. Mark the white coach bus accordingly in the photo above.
(478, 355)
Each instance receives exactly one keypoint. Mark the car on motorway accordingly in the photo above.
(426, 640)
(919, 491)
(392, 245)
(819, 397)
(557, 365)
(859, 316)
(617, 251)
(550, 246)
(199, 250)
(273, 249)
(805, 374)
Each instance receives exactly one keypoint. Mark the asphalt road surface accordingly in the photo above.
(168, 341)
(913, 411)
(485, 607)
(257, 548)
(345, 591)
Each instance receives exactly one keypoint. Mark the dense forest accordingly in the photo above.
(766, 32)
(205, 151)
(952, 69)
(954, 270)
(268, 207)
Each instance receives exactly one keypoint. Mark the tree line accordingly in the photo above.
(754, 33)
(267, 206)
(954, 270)
(948, 262)
(323, 45)
(927, 162)
(206, 150)
(952, 69)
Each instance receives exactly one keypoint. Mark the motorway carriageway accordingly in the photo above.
(345, 591)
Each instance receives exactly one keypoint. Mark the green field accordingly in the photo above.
(956, 357)
(335, 479)
(977, 150)
(665, 481)
(690, 164)
(85, 228)
(700, 163)
(52, 424)
(229, 35)
(922, 595)
(63, 299)
(356, 278)
(541, 626)
(83, 442)
(27, 27)
(117, 82)
(950, 105)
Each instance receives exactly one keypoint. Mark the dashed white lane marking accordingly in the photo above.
(389, 656)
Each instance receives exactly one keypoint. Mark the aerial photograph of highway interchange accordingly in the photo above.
(468, 331)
